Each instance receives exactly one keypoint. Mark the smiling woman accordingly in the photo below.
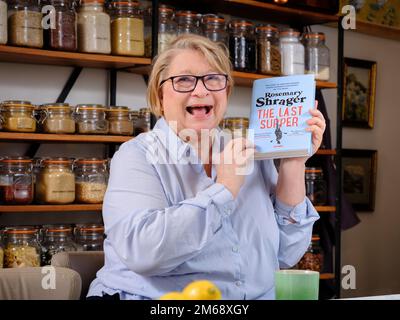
(184, 204)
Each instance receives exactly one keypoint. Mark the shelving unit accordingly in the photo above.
(243, 8)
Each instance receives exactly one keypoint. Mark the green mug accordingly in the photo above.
(296, 285)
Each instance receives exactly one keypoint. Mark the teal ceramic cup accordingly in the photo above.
(296, 285)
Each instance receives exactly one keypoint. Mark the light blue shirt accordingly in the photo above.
(167, 225)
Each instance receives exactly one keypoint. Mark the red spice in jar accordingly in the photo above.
(16, 194)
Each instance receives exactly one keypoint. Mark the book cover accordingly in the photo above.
(279, 111)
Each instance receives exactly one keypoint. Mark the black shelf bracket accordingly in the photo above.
(112, 87)
(69, 84)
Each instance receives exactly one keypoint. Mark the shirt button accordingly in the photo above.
(235, 249)
(238, 283)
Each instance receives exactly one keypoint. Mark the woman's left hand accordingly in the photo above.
(317, 127)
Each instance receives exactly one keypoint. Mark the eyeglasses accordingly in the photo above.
(187, 83)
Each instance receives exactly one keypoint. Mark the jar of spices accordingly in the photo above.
(214, 28)
(25, 23)
(143, 122)
(90, 237)
(188, 22)
(94, 32)
(57, 118)
(317, 60)
(16, 181)
(167, 27)
(21, 248)
(242, 45)
(268, 51)
(120, 121)
(63, 35)
(91, 119)
(91, 179)
(18, 116)
(316, 186)
(313, 258)
(292, 52)
(127, 29)
(3, 22)
(237, 125)
(55, 183)
(56, 238)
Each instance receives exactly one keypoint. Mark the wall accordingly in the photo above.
(371, 247)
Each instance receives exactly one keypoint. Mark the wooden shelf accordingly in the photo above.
(246, 79)
(325, 208)
(61, 58)
(47, 137)
(326, 276)
(326, 152)
(50, 208)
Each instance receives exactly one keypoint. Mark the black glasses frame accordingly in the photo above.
(197, 80)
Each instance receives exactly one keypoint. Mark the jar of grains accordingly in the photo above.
(268, 52)
(242, 45)
(3, 22)
(18, 116)
(25, 23)
(22, 248)
(91, 179)
(91, 119)
(16, 181)
(55, 183)
(89, 236)
(120, 121)
(292, 52)
(127, 29)
(63, 35)
(167, 27)
(94, 32)
(57, 118)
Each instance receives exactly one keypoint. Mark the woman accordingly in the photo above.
(171, 219)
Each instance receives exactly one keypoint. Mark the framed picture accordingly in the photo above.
(358, 93)
(359, 177)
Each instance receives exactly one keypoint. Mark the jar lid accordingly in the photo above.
(187, 14)
(240, 24)
(55, 106)
(17, 103)
(93, 1)
(58, 228)
(125, 4)
(84, 107)
(118, 109)
(90, 228)
(313, 170)
(90, 161)
(213, 19)
(315, 237)
(315, 35)
(289, 32)
(16, 160)
(21, 230)
(165, 9)
(266, 28)
(236, 119)
(59, 160)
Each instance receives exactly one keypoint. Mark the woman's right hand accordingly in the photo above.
(233, 164)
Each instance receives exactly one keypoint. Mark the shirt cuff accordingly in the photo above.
(294, 214)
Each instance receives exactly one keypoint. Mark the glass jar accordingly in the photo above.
(317, 60)
(316, 186)
(147, 27)
(143, 121)
(292, 53)
(127, 29)
(91, 119)
(18, 116)
(91, 179)
(57, 118)
(268, 51)
(313, 258)
(167, 27)
(21, 248)
(188, 22)
(56, 238)
(120, 121)
(237, 125)
(94, 32)
(242, 45)
(90, 237)
(16, 181)
(1, 249)
(55, 183)
(25, 23)
(63, 35)
(214, 28)
(3, 22)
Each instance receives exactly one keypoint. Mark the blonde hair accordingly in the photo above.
(215, 55)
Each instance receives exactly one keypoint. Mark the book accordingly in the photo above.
(279, 111)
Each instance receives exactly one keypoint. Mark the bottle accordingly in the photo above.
(316, 186)
(56, 238)
(313, 258)
(64, 34)
(21, 247)
(317, 60)
(292, 53)
(268, 51)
